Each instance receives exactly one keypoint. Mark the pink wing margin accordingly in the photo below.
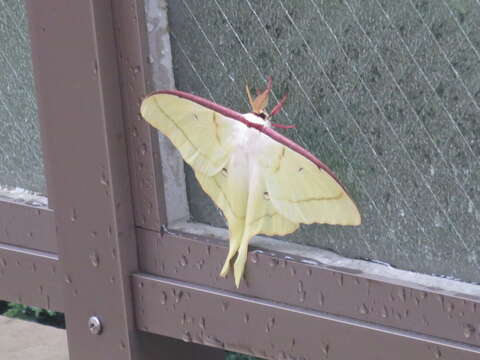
(267, 131)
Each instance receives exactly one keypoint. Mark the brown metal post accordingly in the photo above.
(142, 139)
(75, 64)
(79, 87)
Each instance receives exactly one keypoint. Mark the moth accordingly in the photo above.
(263, 182)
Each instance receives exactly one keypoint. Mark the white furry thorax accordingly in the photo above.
(257, 119)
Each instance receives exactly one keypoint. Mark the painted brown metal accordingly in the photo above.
(88, 63)
(143, 149)
(27, 226)
(144, 159)
(30, 277)
(274, 331)
(287, 280)
(74, 61)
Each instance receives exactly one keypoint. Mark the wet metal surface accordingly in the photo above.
(142, 140)
(80, 112)
(274, 331)
(31, 277)
(27, 226)
(295, 281)
(387, 93)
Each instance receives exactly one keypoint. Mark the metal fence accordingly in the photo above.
(387, 91)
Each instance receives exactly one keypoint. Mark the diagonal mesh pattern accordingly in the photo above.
(387, 93)
(21, 162)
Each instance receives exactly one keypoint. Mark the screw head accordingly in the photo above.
(94, 325)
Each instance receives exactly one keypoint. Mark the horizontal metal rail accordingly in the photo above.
(30, 277)
(338, 291)
(27, 226)
(271, 330)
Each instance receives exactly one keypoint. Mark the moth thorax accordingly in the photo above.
(261, 119)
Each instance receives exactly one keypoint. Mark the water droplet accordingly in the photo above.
(468, 331)
(187, 337)
(293, 271)
(384, 312)
(321, 299)
(94, 259)
(183, 261)
(402, 294)
(225, 305)
(200, 264)
(68, 279)
(246, 318)
(150, 59)
(450, 307)
(143, 149)
(73, 215)
(224, 172)
(122, 345)
(363, 309)
(437, 353)
(178, 297)
(340, 279)
(183, 320)
(270, 324)
(254, 258)
(163, 298)
(299, 286)
(273, 262)
(4, 262)
(309, 272)
(201, 324)
(209, 250)
(266, 195)
(326, 349)
(34, 267)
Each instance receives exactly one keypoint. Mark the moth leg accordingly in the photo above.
(239, 266)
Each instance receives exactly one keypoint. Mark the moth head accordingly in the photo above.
(259, 104)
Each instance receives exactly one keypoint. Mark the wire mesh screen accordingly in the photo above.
(21, 163)
(387, 93)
